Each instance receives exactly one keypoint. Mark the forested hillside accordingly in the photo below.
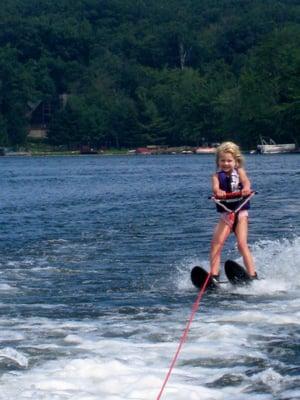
(143, 72)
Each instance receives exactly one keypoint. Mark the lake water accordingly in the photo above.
(96, 254)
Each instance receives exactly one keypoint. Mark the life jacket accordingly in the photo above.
(231, 183)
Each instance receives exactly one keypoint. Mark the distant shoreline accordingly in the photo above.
(46, 150)
(141, 151)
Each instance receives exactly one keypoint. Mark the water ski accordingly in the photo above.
(236, 274)
(199, 275)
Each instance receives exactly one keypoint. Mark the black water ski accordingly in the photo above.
(199, 275)
(236, 274)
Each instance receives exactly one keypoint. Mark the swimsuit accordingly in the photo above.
(229, 218)
(231, 183)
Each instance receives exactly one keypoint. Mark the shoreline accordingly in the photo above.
(145, 151)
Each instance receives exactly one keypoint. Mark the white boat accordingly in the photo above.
(205, 150)
(274, 148)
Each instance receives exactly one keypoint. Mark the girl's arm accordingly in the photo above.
(216, 186)
(245, 182)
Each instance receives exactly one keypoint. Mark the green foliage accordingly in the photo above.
(148, 72)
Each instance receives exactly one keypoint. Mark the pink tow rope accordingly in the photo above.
(228, 196)
(184, 335)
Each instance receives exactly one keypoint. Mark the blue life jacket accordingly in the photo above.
(231, 183)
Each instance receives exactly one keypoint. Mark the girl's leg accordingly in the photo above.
(221, 233)
(241, 232)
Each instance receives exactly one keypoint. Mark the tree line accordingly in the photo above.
(173, 72)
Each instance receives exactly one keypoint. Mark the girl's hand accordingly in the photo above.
(219, 193)
(246, 191)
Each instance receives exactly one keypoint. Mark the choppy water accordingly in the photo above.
(96, 254)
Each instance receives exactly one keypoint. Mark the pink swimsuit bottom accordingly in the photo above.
(228, 217)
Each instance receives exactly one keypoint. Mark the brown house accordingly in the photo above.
(40, 114)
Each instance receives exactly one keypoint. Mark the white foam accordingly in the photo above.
(279, 260)
(73, 339)
(277, 264)
(5, 287)
(124, 370)
(93, 361)
(11, 335)
(94, 379)
(17, 357)
(270, 378)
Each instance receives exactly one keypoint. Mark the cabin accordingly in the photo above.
(39, 114)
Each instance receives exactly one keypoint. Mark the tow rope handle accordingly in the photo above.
(231, 196)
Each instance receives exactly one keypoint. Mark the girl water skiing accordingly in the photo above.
(230, 177)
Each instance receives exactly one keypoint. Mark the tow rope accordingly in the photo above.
(195, 307)
(185, 334)
(229, 197)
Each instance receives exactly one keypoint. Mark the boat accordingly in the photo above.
(273, 148)
(205, 150)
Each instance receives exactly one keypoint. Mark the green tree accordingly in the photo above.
(140, 72)
(16, 89)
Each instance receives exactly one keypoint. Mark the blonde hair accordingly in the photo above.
(233, 149)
